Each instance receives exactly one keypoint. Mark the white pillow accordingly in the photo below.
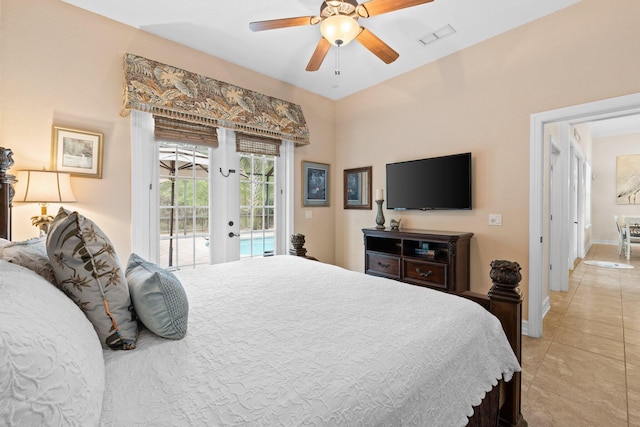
(31, 253)
(51, 363)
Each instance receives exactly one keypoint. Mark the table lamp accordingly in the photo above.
(43, 187)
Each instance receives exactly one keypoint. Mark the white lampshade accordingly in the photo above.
(43, 187)
(339, 30)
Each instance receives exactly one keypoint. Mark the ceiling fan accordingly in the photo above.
(339, 25)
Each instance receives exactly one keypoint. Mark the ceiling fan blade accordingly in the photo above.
(318, 55)
(378, 7)
(284, 23)
(379, 48)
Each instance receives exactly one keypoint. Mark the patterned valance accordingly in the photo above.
(172, 92)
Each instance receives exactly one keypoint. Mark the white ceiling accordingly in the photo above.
(622, 125)
(221, 28)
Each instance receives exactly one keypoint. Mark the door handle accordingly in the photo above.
(232, 234)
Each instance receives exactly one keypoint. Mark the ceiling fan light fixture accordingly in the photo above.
(334, 3)
(339, 30)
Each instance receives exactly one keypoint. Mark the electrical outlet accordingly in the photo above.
(495, 219)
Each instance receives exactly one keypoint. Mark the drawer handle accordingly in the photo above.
(423, 274)
(383, 265)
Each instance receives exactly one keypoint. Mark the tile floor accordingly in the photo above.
(585, 370)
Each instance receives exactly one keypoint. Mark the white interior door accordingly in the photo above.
(573, 211)
(555, 223)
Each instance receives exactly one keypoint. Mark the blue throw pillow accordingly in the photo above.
(158, 298)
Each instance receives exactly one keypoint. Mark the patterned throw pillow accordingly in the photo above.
(158, 297)
(88, 271)
(31, 254)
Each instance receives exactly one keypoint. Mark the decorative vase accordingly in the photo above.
(380, 216)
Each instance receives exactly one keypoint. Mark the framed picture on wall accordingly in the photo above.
(315, 184)
(628, 179)
(357, 188)
(78, 152)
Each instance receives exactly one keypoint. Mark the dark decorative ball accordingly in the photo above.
(505, 273)
(297, 240)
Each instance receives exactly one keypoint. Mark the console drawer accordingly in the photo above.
(428, 273)
(383, 265)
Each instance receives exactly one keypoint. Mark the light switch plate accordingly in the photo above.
(495, 219)
(308, 214)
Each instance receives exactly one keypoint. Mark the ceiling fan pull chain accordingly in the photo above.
(337, 70)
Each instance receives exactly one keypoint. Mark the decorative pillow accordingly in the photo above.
(158, 297)
(88, 271)
(31, 254)
(51, 364)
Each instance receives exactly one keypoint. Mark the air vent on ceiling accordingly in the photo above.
(437, 35)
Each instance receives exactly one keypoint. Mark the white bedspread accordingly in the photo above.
(284, 341)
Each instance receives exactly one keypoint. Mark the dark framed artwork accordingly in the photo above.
(357, 188)
(315, 184)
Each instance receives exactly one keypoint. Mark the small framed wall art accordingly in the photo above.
(315, 184)
(78, 152)
(357, 188)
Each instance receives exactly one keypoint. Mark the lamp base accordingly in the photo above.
(42, 222)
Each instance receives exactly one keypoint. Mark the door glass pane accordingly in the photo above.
(183, 205)
(257, 205)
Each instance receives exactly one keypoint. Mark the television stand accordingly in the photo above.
(433, 259)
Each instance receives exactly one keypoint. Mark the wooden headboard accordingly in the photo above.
(6, 192)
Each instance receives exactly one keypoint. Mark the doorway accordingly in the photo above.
(608, 108)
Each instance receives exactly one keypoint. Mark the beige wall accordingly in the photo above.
(63, 66)
(604, 203)
(481, 100)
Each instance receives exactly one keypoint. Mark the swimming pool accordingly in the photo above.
(261, 244)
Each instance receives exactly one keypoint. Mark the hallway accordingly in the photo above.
(585, 370)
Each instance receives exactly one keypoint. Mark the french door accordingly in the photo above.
(195, 205)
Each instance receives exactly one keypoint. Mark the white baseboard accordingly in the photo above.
(546, 306)
(605, 242)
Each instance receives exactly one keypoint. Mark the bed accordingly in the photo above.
(279, 340)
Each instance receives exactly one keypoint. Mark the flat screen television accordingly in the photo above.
(432, 183)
